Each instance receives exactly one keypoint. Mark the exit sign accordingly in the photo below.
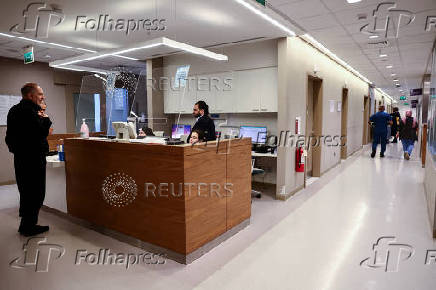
(261, 2)
(406, 104)
(28, 55)
(403, 98)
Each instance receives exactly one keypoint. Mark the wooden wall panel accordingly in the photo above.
(159, 220)
(239, 176)
(179, 221)
(205, 166)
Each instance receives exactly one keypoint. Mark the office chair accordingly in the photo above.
(255, 171)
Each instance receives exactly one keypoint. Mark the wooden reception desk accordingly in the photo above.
(204, 196)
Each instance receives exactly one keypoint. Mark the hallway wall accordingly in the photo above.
(298, 60)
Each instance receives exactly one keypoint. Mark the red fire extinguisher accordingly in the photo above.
(299, 160)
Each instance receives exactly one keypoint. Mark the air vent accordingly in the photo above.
(362, 16)
(378, 44)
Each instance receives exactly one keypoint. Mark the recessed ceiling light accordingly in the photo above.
(60, 45)
(87, 50)
(392, 75)
(383, 55)
(395, 80)
(7, 35)
(265, 16)
(389, 66)
(373, 36)
(149, 44)
(30, 39)
(47, 56)
(353, 1)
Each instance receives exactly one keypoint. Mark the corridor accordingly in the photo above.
(315, 240)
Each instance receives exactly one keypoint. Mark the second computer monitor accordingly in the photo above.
(179, 130)
(257, 134)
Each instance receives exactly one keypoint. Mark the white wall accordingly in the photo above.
(430, 188)
(297, 61)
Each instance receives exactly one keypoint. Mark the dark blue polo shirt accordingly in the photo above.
(380, 120)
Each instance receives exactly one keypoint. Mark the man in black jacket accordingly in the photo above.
(26, 137)
(204, 122)
(396, 118)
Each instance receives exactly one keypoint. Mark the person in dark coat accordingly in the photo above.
(408, 134)
(396, 119)
(26, 137)
(204, 122)
(381, 120)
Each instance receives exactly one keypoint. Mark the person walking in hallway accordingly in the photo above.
(408, 134)
(381, 119)
(26, 137)
(396, 118)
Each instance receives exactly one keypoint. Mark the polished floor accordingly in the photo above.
(315, 240)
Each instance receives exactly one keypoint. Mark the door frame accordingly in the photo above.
(344, 123)
(366, 114)
(316, 124)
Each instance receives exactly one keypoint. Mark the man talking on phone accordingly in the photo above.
(26, 137)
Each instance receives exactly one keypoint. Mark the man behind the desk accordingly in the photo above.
(204, 122)
(26, 137)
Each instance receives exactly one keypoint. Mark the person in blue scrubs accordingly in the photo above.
(381, 119)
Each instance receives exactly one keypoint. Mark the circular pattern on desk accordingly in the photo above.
(119, 189)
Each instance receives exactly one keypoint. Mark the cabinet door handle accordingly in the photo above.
(255, 110)
(264, 110)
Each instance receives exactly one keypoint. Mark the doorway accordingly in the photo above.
(344, 120)
(313, 126)
(365, 135)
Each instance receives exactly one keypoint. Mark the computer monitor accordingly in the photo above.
(124, 130)
(178, 130)
(257, 134)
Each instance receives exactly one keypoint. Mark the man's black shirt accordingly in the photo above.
(27, 132)
(205, 124)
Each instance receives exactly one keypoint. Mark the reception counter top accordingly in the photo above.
(178, 199)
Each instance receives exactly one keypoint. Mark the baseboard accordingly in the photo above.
(284, 197)
(8, 182)
(178, 257)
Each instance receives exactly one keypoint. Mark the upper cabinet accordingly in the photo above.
(245, 91)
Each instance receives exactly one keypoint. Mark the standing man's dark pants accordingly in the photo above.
(30, 174)
(379, 137)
